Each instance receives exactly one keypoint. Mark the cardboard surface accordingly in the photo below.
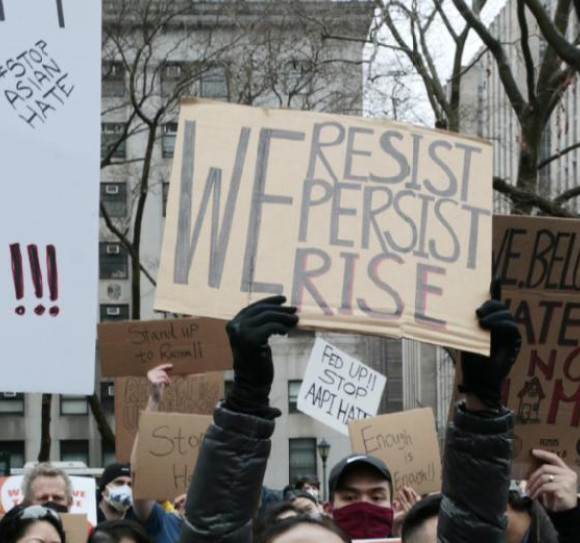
(50, 121)
(75, 527)
(366, 226)
(337, 388)
(538, 260)
(197, 394)
(407, 443)
(84, 495)
(167, 453)
(191, 345)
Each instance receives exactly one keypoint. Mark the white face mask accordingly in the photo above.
(119, 498)
(313, 492)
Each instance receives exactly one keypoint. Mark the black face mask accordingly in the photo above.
(59, 508)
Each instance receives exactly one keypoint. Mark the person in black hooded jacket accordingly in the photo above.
(225, 487)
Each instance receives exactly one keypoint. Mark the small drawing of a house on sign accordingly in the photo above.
(531, 397)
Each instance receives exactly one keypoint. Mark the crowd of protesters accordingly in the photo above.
(227, 503)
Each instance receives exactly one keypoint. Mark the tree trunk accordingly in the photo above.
(107, 435)
(45, 441)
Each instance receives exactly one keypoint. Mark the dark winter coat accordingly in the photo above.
(476, 478)
(225, 488)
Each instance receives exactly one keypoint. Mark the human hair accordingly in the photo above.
(359, 467)
(519, 502)
(45, 469)
(16, 522)
(422, 511)
(271, 515)
(282, 526)
(114, 531)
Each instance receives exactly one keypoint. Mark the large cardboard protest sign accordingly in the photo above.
(84, 495)
(366, 226)
(167, 453)
(50, 69)
(407, 443)
(538, 261)
(337, 388)
(196, 394)
(191, 345)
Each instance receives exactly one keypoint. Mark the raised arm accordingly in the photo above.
(225, 488)
(477, 459)
(157, 379)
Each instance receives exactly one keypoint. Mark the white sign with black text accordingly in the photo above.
(337, 388)
(50, 128)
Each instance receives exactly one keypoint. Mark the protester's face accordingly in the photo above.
(48, 489)
(40, 532)
(307, 533)
(121, 481)
(362, 484)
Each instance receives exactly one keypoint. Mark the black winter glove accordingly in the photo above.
(249, 332)
(484, 376)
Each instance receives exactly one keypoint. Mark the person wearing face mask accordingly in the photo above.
(360, 489)
(115, 494)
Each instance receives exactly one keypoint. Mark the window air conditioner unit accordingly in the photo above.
(113, 249)
(113, 311)
(111, 390)
(112, 189)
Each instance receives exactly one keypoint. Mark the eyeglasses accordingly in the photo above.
(39, 512)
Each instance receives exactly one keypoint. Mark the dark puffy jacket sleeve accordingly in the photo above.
(476, 477)
(225, 488)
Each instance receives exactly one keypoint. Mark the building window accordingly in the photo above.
(108, 397)
(74, 450)
(165, 196)
(114, 199)
(11, 403)
(112, 137)
(293, 390)
(114, 312)
(214, 83)
(113, 79)
(113, 261)
(169, 137)
(302, 454)
(11, 456)
(73, 405)
(171, 74)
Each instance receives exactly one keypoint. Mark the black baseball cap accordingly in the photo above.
(338, 470)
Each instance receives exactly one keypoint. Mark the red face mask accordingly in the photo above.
(363, 520)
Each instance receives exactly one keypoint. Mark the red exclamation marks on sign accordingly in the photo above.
(17, 275)
(36, 275)
(52, 278)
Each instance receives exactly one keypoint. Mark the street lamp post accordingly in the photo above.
(323, 451)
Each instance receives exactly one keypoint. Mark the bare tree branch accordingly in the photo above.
(522, 197)
(527, 53)
(554, 37)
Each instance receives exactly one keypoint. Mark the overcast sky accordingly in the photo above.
(409, 90)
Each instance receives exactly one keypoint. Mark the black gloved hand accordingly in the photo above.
(249, 332)
(484, 376)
